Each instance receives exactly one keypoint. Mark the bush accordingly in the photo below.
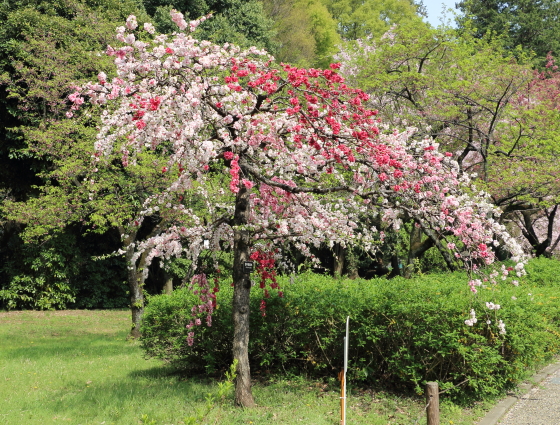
(59, 273)
(402, 332)
(543, 272)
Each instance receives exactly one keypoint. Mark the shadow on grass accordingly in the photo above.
(123, 399)
(163, 371)
(90, 345)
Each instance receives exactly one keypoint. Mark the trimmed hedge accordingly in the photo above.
(402, 332)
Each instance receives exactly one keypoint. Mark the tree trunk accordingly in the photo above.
(339, 256)
(540, 247)
(395, 266)
(168, 286)
(241, 291)
(417, 248)
(135, 284)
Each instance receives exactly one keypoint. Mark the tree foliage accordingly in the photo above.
(244, 23)
(476, 99)
(371, 18)
(48, 47)
(307, 33)
(533, 25)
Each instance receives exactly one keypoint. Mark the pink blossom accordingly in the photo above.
(131, 23)
(149, 28)
(179, 20)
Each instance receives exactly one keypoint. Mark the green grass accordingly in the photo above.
(77, 367)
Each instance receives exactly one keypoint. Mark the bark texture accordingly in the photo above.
(548, 244)
(135, 284)
(241, 292)
(417, 248)
(339, 259)
(168, 286)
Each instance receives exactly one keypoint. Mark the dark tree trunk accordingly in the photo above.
(541, 248)
(395, 266)
(242, 289)
(135, 284)
(449, 261)
(416, 249)
(339, 257)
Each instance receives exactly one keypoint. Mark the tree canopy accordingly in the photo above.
(477, 99)
(306, 32)
(531, 24)
(244, 23)
(371, 18)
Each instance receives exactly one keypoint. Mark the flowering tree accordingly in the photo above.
(278, 156)
(527, 159)
(497, 115)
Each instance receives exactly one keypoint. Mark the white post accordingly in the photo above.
(346, 338)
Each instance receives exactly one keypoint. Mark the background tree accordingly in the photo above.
(49, 46)
(33, 28)
(533, 25)
(371, 18)
(471, 96)
(71, 194)
(526, 158)
(306, 32)
(244, 23)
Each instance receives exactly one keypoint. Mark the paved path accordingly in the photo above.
(539, 404)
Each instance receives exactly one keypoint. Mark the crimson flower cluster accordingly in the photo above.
(266, 270)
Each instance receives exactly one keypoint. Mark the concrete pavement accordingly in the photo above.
(538, 401)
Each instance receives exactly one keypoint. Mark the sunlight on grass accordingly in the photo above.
(77, 367)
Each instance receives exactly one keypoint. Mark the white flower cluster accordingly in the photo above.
(472, 320)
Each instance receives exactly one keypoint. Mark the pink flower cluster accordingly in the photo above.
(201, 287)
(234, 172)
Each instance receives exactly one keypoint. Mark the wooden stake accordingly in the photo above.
(432, 401)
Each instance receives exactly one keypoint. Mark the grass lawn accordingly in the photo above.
(77, 367)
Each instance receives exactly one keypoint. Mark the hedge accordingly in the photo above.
(402, 332)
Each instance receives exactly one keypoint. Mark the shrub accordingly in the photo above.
(59, 273)
(543, 272)
(402, 332)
